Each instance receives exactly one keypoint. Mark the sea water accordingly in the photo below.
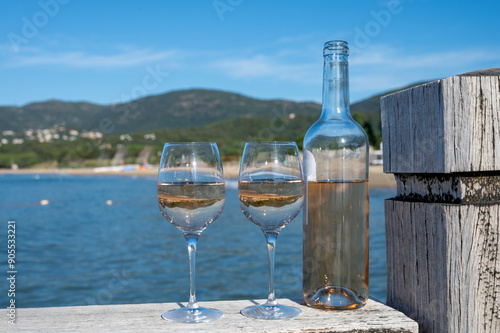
(84, 240)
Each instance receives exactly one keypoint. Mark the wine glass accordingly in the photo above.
(191, 195)
(271, 193)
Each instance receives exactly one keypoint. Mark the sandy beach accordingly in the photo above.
(231, 170)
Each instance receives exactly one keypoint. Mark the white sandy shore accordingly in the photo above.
(231, 170)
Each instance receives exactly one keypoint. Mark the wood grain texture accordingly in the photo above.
(448, 125)
(374, 317)
(449, 188)
(443, 265)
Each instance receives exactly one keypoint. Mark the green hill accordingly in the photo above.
(50, 114)
(177, 109)
(189, 115)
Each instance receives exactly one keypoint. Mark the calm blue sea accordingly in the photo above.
(79, 250)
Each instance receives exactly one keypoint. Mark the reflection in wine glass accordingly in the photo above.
(191, 195)
(271, 193)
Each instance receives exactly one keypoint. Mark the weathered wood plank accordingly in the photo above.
(374, 317)
(449, 188)
(445, 126)
(447, 258)
(472, 116)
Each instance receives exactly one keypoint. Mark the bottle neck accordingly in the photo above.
(335, 87)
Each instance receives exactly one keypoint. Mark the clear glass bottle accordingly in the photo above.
(335, 262)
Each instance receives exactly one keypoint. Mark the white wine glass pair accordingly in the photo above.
(191, 195)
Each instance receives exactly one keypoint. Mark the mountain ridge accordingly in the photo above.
(171, 110)
(175, 109)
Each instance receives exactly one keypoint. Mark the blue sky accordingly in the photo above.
(113, 51)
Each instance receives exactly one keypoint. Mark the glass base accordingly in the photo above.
(270, 312)
(335, 298)
(198, 315)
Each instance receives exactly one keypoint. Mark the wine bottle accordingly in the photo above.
(335, 253)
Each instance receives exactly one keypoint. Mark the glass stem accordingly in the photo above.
(271, 245)
(191, 244)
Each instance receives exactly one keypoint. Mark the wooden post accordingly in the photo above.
(442, 142)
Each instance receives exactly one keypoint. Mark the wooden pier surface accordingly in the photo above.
(374, 317)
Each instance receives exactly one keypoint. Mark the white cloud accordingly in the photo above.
(79, 59)
(447, 59)
(381, 68)
(262, 66)
(372, 56)
(376, 69)
(6, 49)
(399, 59)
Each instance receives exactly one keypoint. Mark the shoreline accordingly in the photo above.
(377, 177)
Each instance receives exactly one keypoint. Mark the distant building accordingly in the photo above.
(377, 156)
